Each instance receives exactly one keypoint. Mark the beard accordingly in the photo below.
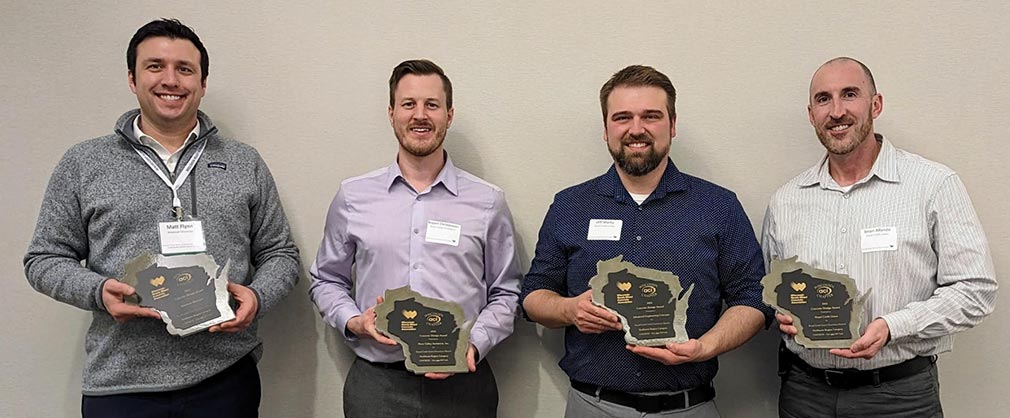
(420, 148)
(639, 163)
(851, 142)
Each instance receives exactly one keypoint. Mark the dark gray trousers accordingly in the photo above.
(372, 390)
(915, 396)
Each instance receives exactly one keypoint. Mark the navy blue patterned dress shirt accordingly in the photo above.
(687, 226)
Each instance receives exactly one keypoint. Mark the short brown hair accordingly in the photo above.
(419, 67)
(638, 76)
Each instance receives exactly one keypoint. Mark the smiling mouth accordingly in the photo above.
(839, 128)
(420, 129)
(171, 97)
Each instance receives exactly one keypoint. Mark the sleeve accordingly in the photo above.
(741, 265)
(965, 277)
(274, 254)
(53, 262)
(501, 273)
(549, 268)
(331, 272)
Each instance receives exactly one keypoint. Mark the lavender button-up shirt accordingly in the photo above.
(377, 226)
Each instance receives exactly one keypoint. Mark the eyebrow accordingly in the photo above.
(844, 89)
(162, 60)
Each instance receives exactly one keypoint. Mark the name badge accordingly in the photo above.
(879, 239)
(604, 230)
(443, 233)
(181, 237)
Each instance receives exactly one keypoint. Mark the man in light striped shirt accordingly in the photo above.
(932, 277)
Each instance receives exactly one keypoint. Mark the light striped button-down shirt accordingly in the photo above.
(937, 281)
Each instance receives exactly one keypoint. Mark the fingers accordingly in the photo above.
(471, 362)
(246, 312)
(783, 318)
(660, 354)
(869, 344)
(123, 312)
(113, 292)
(438, 376)
(592, 319)
(786, 324)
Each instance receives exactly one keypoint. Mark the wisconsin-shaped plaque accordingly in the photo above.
(186, 290)
(648, 302)
(431, 331)
(826, 307)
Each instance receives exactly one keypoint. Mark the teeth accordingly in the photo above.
(637, 144)
(169, 96)
(421, 129)
(840, 127)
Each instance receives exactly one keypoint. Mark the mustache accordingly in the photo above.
(629, 138)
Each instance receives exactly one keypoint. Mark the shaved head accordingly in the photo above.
(838, 60)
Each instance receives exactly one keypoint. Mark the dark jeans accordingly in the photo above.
(915, 396)
(233, 393)
(372, 390)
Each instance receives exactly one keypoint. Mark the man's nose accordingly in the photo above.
(637, 126)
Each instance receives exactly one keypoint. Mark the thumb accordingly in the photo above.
(119, 288)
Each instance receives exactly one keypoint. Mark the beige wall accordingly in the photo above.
(305, 83)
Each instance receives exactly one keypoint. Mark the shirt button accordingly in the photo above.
(844, 230)
(841, 266)
(416, 231)
(846, 196)
(417, 266)
(638, 374)
(638, 238)
(640, 209)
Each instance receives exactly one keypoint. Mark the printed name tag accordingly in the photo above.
(879, 239)
(181, 237)
(604, 230)
(443, 233)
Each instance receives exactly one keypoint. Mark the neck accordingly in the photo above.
(420, 172)
(849, 168)
(643, 184)
(170, 137)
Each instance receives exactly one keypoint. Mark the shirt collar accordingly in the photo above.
(146, 139)
(885, 167)
(448, 176)
(671, 181)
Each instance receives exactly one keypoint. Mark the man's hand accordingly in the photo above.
(867, 346)
(470, 364)
(364, 325)
(113, 292)
(589, 318)
(246, 312)
(673, 353)
(786, 324)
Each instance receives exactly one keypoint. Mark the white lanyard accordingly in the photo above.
(176, 203)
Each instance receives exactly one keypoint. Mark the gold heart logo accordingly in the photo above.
(798, 286)
(158, 281)
(409, 314)
(624, 286)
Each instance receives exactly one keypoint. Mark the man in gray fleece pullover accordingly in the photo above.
(103, 206)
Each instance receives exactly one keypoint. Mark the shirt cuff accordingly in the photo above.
(900, 324)
(340, 319)
(480, 341)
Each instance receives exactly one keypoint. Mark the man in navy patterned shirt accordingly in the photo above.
(658, 218)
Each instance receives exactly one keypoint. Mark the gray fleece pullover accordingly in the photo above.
(103, 205)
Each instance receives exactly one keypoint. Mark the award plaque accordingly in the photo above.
(826, 307)
(430, 331)
(186, 290)
(649, 302)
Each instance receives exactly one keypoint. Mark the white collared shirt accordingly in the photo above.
(169, 158)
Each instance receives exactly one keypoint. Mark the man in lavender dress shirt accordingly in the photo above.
(378, 227)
